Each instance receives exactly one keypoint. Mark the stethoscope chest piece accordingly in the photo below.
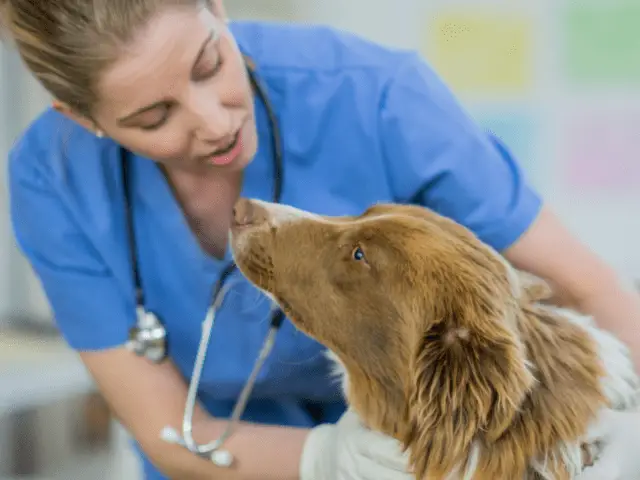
(148, 338)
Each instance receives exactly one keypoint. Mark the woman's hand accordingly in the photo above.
(350, 451)
(619, 435)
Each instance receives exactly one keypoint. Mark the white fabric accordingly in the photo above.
(350, 451)
(619, 433)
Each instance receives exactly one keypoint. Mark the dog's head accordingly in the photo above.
(419, 311)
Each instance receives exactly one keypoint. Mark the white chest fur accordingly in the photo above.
(339, 372)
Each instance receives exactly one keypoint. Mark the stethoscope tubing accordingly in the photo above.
(212, 449)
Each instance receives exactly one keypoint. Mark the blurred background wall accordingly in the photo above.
(558, 80)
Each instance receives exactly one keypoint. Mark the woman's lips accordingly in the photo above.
(228, 154)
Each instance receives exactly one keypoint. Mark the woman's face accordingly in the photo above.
(180, 95)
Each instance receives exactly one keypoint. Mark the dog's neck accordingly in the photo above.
(380, 402)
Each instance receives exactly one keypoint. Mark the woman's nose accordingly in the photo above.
(213, 120)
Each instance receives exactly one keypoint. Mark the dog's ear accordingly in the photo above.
(469, 378)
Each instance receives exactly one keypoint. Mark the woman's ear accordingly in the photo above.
(469, 378)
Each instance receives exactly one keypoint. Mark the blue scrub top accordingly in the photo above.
(360, 123)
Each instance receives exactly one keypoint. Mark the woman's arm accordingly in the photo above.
(146, 397)
(438, 156)
(94, 317)
(579, 277)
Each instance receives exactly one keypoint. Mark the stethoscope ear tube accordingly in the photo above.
(212, 450)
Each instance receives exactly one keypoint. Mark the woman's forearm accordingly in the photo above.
(261, 452)
(579, 277)
(146, 397)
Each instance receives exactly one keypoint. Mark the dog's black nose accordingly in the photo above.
(247, 212)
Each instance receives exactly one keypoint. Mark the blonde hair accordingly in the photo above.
(67, 44)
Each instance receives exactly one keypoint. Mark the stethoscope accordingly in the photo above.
(148, 338)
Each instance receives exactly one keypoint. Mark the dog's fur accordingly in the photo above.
(442, 343)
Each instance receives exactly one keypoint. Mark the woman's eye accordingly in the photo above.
(358, 254)
(209, 70)
(156, 121)
(154, 126)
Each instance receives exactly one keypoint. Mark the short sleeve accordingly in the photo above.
(89, 308)
(437, 156)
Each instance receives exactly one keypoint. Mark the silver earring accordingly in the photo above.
(99, 133)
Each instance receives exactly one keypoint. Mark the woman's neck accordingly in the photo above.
(206, 200)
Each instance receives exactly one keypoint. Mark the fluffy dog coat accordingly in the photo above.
(442, 344)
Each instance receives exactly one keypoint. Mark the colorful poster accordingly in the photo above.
(601, 42)
(602, 151)
(481, 52)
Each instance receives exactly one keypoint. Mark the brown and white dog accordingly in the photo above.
(442, 344)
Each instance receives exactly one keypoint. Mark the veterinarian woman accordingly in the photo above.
(197, 109)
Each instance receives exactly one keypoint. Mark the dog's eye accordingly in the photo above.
(357, 254)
